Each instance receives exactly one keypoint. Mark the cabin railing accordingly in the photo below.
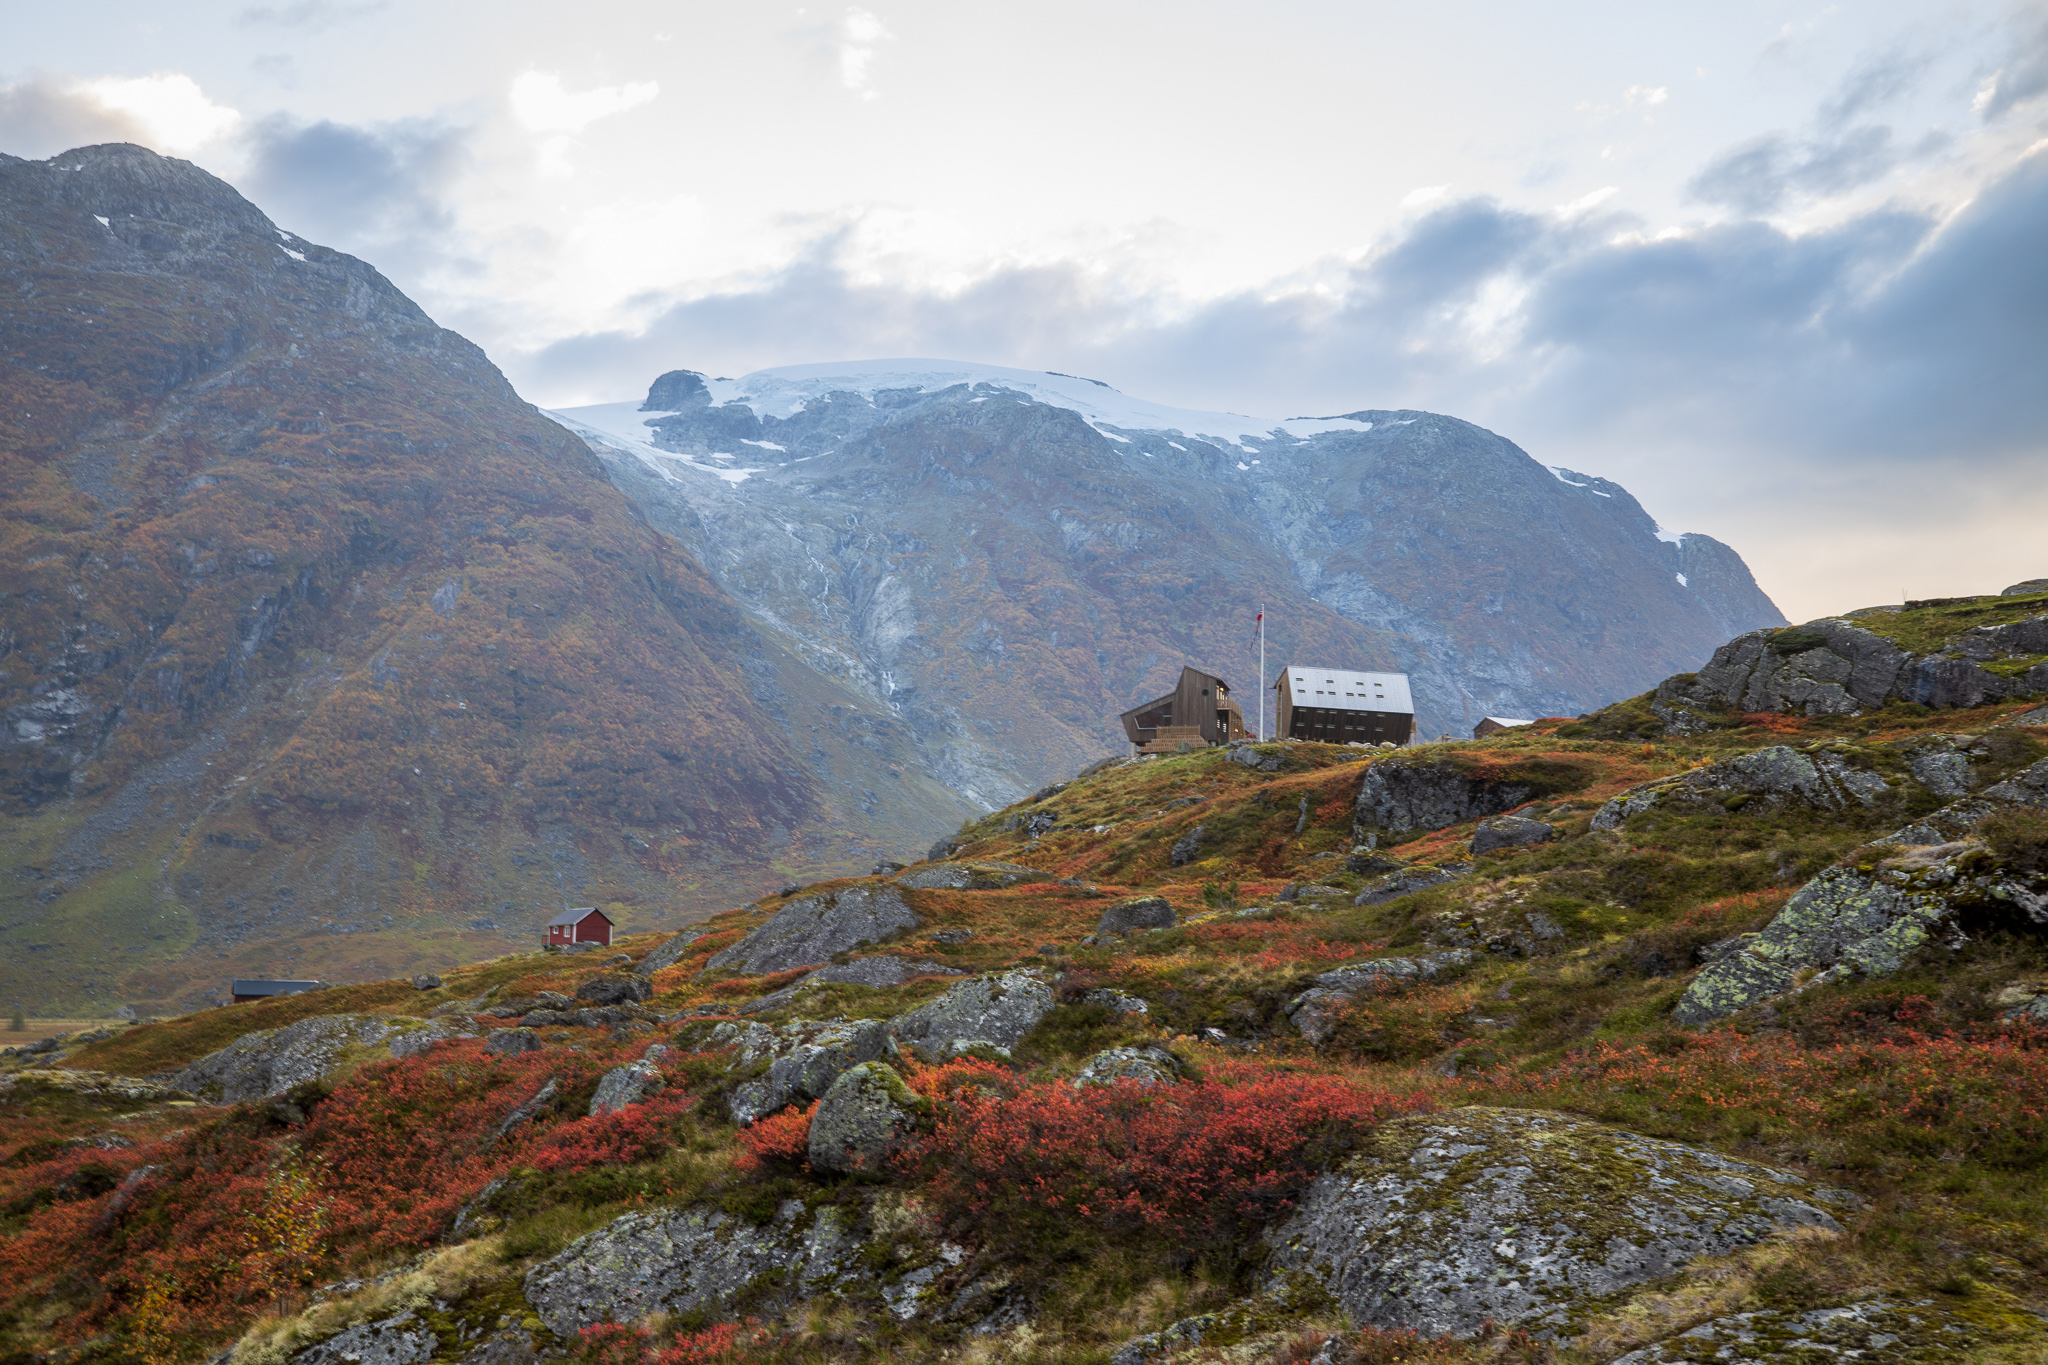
(1167, 738)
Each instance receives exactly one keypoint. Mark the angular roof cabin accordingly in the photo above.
(1493, 725)
(584, 924)
(1340, 706)
(1198, 711)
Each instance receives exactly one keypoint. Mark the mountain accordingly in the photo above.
(1009, 558)
(322, 654)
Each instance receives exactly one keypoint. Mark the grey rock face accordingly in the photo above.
(1150, 1065)
(1266, 759)
(624, 1085)
(1959, 819)
(2037, 716)
(668, 954)
(1848, 922)
(879, 971)
(1400, 796)
(615, 989)
(984, 876)
(510, 1042)
(1186, 848)
(1408, 881)
(1837, 668)
(1315, 1010)
(992, 1011)
(403, 1340)
(694, 1258)
(1118, 1001)
(258, 1065)
(1778, 775)
(426, 981)
(1453, 1220)
(813, 929)
(1137, 912)
(803, 1059)
(862, 1121)
(1895, 1331)
(1509, 831)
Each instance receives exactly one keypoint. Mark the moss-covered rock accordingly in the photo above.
(1525, 1219)
(259, 1065)
(989, 1011)
(863, 1120)
(1886, 1330)
(814, 929)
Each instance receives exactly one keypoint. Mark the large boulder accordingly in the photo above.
(1407, 882)
(863, 1120)
(1450, 1221)
(1857, 921)
(1959, 819)
(988, 1011)
(1315, 1010)
(272, 1061)
(615, 988)
(1773, 777)
(796, 1062)
(1401, 796)
(1509, 831)
(1148, 1066)
(1137, 912)
(1839, 668)
(633, 1083)
(695, 1259)
(981, 876)
(814, 929)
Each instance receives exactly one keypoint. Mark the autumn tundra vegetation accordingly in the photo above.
(1005, 1129)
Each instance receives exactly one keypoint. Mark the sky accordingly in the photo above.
(1780, 269)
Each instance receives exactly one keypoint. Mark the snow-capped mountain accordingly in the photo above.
(1008, 557)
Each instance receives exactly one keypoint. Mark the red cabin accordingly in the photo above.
(585, 925)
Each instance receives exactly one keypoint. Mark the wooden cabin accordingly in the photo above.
(1338, 706)
(1199, 710)
(1493, 725)
(245, 991)
(585, 924)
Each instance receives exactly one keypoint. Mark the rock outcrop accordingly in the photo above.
(272, 1061)
(1777, 775)
(983, 876)
(1408, 881)
(1451, 1221)
(630, 1084)
(1876, 1329)
(1134, 913)
(1509, 831)
(863, 1120)
(406, 1339)
(1837, 667)
(813, 929)
(681, 1261)
(794, 1063)
(668, 954)
(1400, 796)
(988, 1011)
(1148, 1065)
(1315, 1010)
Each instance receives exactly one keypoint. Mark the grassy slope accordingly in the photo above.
(1955, 1217)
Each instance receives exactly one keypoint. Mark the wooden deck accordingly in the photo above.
(1167, 738)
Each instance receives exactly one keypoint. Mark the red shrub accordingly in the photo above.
(610, 1343)
(783, 1137)
(1195, 1161)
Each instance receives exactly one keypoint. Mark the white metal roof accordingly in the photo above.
(1345, 690)
(1505, 720)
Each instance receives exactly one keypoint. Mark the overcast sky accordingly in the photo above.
(1781, 269)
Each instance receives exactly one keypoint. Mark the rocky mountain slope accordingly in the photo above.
(1009, 558)
(321, 653)
(1564, 1046)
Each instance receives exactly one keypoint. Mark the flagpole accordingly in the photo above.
(1262, 671)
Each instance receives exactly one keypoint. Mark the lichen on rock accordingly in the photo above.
(813, 929)
(1525, 1219)
(988, 1011)
(272, 1061)
(863, 1120)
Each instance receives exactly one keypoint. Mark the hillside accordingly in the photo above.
(1560, 1046)
(1008, 557)
(322, 654)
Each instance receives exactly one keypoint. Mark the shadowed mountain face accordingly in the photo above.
(1008, 559)
(323, 654)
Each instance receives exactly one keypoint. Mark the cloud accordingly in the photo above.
(860, 33)
(542, 104)
(2024, 74)
(1424, 194)
(1891, 337)
(170, 104)
(43, 115)
(1764, 174)
(311, 15)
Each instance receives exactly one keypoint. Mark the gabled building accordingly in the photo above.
(585, 924)
(1339, 706)
(1199, 710)
(1493, 725)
